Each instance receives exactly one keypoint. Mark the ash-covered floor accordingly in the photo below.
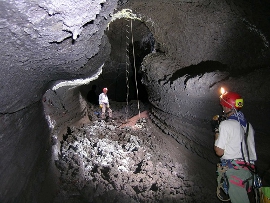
(129, 160)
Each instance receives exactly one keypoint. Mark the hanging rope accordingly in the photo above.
(127, 68)
(135, 69)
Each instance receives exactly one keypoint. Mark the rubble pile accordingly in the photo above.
(100, 162)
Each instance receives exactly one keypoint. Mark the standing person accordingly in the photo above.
(104, 103)
(230, 145)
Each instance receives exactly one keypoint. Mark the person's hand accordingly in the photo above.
(100, 105)
(217, 119)
(215, 124)
(216, 135)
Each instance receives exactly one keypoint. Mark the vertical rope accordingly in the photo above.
(127, 68)
(135, 69)
(121, 61)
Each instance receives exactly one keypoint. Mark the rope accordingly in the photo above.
(127, 68)
(135, 70)
(221, 170)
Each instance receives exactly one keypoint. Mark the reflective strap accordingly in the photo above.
(244, 164)
(251, 161)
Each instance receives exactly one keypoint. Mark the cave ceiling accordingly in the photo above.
(46, 42)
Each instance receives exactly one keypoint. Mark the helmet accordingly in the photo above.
(231, 100)
(105, 89)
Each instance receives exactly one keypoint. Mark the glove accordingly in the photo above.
(100, 105)
(215, 125)
(216, 121)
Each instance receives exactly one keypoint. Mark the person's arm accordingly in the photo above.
(218, 150)
(100, 99)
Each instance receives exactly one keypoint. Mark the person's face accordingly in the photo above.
(226, 110)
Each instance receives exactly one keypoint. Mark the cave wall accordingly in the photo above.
(25, 153)
(195, 31)
(200, 47)
(42, 43)
(39, 41)
(64, 106)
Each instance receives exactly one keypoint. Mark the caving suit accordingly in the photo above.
(104, 101)
(231, 138)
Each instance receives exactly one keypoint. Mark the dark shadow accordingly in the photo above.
(92, 96)
(141, 49)
(198, 70)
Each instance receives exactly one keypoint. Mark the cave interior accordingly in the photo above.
(172, 56)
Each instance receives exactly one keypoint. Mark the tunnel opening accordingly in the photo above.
(137, 51)
(129, 39)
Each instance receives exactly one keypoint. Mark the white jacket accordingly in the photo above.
(231, 135)
(103, 99)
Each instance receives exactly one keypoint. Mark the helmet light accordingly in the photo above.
(222, 91)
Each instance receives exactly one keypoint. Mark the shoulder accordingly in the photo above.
(228, 122)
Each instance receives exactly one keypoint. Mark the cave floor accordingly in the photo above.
(129, 160)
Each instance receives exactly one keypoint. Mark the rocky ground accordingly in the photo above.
(128, 159)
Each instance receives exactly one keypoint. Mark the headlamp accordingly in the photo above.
(222, 91)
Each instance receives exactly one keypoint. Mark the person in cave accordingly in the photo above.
(104, 104)
(237, 152)
(92, 96)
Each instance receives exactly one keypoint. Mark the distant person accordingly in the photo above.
(92, 96)
(104, 104)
